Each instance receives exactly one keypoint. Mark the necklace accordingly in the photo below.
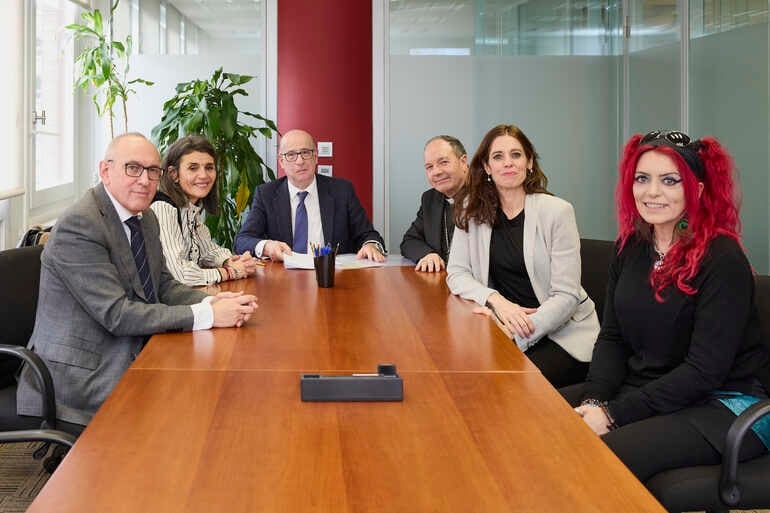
(659, 262)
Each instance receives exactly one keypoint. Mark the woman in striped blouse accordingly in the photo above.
(187, 187)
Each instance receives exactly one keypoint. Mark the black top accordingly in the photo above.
(678, 352)
(507, 272)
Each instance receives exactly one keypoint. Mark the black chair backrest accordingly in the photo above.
(595, 258)
(20, 269)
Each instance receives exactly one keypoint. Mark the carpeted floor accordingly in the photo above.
(21, 476)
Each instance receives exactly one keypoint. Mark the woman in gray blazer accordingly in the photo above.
(516, 251)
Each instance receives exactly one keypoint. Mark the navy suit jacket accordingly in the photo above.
(343, 219)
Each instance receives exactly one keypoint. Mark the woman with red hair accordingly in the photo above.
(679, 352)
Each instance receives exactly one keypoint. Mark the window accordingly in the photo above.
(52, 157)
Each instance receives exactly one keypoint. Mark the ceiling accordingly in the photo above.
(224, 18)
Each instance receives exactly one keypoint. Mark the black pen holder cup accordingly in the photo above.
(324, 270)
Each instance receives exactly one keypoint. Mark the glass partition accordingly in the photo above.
(729, 99)
(459, 68)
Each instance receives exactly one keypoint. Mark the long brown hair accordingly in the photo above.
(478, 199)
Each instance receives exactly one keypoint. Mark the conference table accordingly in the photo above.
(212, 420)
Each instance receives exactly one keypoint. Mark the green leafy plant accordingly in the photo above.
(208, 107)
(103, 65)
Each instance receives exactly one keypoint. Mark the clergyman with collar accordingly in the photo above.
(428, 239)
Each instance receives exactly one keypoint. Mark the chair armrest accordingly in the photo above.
(38, 435)
(728, 479)
(43, 377)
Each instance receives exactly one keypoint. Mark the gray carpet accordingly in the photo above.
(21, 476)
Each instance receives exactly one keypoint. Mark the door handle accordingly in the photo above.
(36, 118)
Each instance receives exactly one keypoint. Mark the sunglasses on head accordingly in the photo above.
(674, 137)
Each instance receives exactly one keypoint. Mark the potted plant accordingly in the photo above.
(104, 65)
(208, 107)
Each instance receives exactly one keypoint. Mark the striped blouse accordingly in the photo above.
(191, 256)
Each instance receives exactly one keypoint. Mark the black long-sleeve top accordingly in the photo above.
(674, 354)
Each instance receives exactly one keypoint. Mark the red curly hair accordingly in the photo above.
(715, 212)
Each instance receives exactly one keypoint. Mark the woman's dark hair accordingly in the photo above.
(478, 198)
(169, 184)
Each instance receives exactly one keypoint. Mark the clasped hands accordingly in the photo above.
(232, 308)
(512, 318)
(595, 417)
(242, 265)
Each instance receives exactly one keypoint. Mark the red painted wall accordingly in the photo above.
(325, 82)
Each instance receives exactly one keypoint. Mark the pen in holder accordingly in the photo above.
(323, 261)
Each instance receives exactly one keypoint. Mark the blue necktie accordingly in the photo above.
(300, 225)
(140, 257)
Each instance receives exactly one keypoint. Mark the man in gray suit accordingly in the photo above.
(104, 287)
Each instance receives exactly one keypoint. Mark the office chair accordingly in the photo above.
(20, 269)
(731, 485)
(595, 258)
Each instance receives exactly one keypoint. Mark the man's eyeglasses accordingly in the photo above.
(291, 156)
(135, 170)
(675, 137)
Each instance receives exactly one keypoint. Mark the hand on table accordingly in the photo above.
(245, 264)
(232, 308)
(430, 263)
(275, 249)
(511, 316)
(370, 251)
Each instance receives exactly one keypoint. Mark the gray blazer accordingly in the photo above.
(92, 317)
(552, 258)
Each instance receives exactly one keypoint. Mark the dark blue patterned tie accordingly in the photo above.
(300, 225)
(140, 257)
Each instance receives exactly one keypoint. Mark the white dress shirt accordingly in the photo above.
(315, 234)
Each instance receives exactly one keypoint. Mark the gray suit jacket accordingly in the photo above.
(92, 317)
(552, 258)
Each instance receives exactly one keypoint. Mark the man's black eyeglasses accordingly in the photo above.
(291, 156)
(135, 170)
(675, 137)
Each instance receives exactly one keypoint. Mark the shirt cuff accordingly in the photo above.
(203, 314)
(379, 246)
(259, 247)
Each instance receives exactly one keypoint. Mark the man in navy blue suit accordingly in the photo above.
(301, 208)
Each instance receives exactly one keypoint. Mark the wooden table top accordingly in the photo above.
(370, 316)
(213, 421)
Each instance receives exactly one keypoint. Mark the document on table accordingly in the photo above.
(349, 261)
(342, 262)
(298, 261)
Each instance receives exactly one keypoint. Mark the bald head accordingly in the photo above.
(296, 135)
(133, 192)
(125, 139)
